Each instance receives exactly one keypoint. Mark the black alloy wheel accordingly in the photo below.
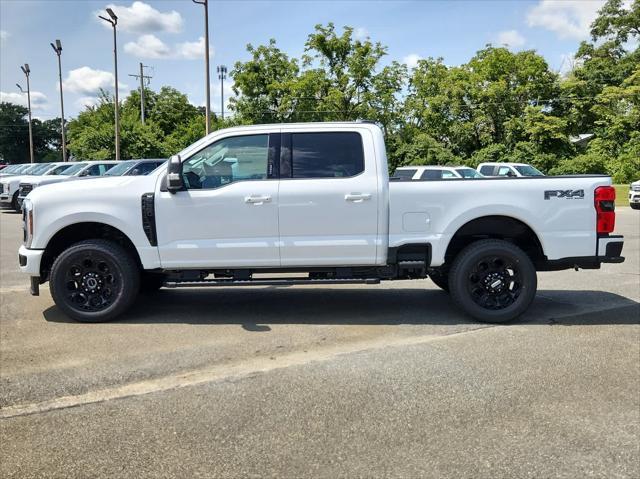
(94, 281)
(493, 280)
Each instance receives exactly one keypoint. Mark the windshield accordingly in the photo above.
(58, 169)
(468, 173)
(35, 169)
(528, 170)
(23, 168)
(10, 168)
(120, 169)
(72, 170)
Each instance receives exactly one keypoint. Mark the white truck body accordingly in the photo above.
(280, 222)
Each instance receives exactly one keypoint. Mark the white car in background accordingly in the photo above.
(15, 169)
(9, 184)
(634, 195)
(512, 170)
(75, 171)
(435, 173)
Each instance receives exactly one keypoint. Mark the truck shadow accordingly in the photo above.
(256, 308)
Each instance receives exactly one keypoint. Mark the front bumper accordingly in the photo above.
(4, 198)
(29, 260)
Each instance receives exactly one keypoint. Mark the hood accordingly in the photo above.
(12, 179)
(99, 187)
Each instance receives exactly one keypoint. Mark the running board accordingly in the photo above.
(207, 283)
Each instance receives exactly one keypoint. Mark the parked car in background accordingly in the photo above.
(135, 167)
(508, 169)
(634, 195)
(9, 185)
(15, 169)
(435, 173)
(85, 169)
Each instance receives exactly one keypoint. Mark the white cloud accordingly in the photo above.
(89, 82)
(86, 101)
(191, 50)
(361, 33)
(38, 99)
(511, 38)
(143, 18)
(150, 46)
(412, 60)
(568, 18)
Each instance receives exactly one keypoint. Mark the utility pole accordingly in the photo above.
(222, 75)
(114, 21)
(58, 49)
(26, 70)
(205, 3)
(142, 78)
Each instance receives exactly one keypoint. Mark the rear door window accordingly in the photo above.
(404, 174)
(431, 175)
(505, 171)
(487, 170)
(326, 155)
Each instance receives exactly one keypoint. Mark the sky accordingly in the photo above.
(167, 36)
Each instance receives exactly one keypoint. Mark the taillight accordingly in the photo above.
(605, 203)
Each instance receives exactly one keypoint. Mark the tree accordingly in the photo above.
(14, 136)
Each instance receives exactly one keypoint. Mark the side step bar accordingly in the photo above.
(207, 283)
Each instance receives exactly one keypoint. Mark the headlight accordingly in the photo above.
(27, 221)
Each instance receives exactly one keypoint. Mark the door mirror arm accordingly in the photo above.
(174, 174)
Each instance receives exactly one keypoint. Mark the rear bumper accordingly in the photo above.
(609, 251)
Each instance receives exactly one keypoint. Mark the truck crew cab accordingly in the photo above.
(244, 203)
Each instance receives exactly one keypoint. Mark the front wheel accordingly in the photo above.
(493, 281)
(94, 281)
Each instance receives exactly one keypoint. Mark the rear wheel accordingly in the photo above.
(493, 280)
(94, 281)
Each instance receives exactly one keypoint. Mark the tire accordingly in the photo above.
(151, 282)
(440, 278)
(14, 203)
(99, 264)
(493, 281)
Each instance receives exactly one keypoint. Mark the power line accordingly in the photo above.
(142, 77)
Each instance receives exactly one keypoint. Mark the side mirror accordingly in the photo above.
(174, 174)
(84, 173)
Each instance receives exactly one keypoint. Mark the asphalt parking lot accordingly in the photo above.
(345, 381)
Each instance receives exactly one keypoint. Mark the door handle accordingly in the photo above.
(357, 197)
(257, 200)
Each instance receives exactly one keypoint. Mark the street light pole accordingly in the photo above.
(222, 75)
(114, 21)
(205, 3)
(26, 70)
(58, 49)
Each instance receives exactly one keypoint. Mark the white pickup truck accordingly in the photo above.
(245, 203)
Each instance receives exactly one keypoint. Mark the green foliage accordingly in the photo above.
(14, 136)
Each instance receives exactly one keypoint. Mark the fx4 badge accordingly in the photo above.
(567, 194)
